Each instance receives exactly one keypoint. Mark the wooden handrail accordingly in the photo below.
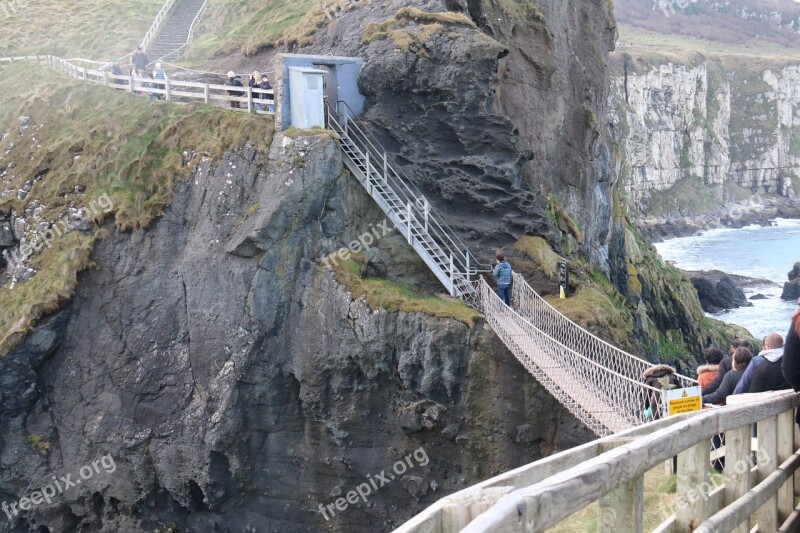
(170, 89)
(609, 470)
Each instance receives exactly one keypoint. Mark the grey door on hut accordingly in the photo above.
(330, 85)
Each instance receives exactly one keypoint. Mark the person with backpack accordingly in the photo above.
(502, 271)
(661, 377)
(235, 81)
(159, 74)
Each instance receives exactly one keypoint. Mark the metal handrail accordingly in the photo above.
(460, 255)
(176, 54)
(446, 236)
(156, 25)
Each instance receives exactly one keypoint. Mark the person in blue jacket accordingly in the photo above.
(502, 271)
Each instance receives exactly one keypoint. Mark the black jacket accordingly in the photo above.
(791, 359)
(724, 367)
(768, 376)
(139, 61)
(729, 383)
(236, 82)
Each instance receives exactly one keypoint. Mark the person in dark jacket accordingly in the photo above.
(772, 351)
(791, 354)
(235, 81)
(502, 271)
(660, 377)
(116, 71)
(139, 62)
(267, 97)
(741, 360)
(725, 366)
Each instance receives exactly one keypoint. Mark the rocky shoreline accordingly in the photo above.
(756, 210)
(719, 291)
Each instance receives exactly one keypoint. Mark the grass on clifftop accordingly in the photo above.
(91, 29)
(650, 48)
(250, 27)
(393, 297)
(92, 141)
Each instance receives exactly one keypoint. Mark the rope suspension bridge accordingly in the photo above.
(598, 383)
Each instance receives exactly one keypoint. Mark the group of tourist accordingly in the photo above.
(256, 81)
(144, 79)
(775, 367)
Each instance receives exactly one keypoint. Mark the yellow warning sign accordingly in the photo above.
(683, 400)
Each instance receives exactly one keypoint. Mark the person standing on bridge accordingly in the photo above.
(502, 271)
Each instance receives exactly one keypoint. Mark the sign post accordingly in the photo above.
(683, 400)
(564, 270)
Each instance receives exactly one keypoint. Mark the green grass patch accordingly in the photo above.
(689, 195)
(103, 143)
(38, 443)
(647, 49)
(393, 297)
(231, 26)
(537, 249)
(594, 310)
(92, 29)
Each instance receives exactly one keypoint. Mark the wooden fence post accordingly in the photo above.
(737, 468)
(767, 458)
(693, 487)
(622, 509)
(167, 87)
(205, 93)
(785, 450)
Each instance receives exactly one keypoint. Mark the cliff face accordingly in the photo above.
(493, 108)
(695, 137)
(236, 384)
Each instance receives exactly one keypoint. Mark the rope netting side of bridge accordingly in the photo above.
(600, 384)
(552, 322)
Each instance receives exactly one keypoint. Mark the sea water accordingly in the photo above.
(767, 252)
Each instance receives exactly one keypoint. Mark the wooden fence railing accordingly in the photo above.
(757, 486)
(171, 90)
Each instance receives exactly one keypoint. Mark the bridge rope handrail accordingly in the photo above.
(412, 191)
(524, 294)
(606, 400)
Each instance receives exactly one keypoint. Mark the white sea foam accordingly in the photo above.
(766, 252)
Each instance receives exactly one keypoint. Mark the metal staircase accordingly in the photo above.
(598, 383)
(408, 209)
